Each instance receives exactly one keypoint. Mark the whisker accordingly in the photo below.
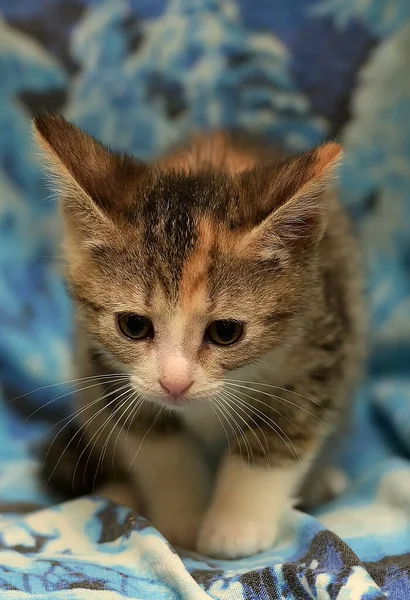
(69, 442)
(285, 400)
(134, 401)
(214, 408)
(107, 440)
(120, 425)
(224, 413)
(274, 426)
(70, 381)
(282, 389)
(265, 404)
(145, 435)
(78, 412)
(60, 396)
(229, 398)
(243, 437)
(262, 447)
(275, 410)
(135, 415)
(100, 429)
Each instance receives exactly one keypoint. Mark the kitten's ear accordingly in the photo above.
(95, 184)
(293, 196)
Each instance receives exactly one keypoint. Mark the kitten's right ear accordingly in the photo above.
(292, 194)
(95, 184)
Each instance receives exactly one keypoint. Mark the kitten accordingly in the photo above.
(221, 284)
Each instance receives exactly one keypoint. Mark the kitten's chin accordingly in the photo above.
(178, 403)
(172, 402)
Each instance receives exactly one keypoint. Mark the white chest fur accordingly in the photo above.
(201, 419)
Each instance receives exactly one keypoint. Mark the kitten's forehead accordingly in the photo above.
(181, 218)
(192, 235)
(176, 201)
(193, 290)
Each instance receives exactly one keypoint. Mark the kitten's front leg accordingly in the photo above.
(251, 496)
(175, 485)
(248, 504)
(250, 499)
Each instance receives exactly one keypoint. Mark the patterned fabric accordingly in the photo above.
(141, 75)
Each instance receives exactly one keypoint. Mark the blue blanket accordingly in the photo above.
(140, 75)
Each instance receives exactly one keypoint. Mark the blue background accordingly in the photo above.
(141, 75)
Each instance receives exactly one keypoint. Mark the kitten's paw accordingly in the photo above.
(180, 529)
(235, 536)
(120, 494)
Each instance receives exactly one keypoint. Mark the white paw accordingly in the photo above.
(235, 535)
(180, 529)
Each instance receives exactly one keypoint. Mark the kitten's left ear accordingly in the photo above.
(94, 182)
(292, 197)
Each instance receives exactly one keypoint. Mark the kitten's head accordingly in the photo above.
(184, 274)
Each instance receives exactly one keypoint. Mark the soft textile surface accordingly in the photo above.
(140, 76)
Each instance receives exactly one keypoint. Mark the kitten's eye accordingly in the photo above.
(224, 332)
(135, 327)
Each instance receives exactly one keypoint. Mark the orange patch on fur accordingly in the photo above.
(326, 158)
(328, 154)
(214, 150)
(193, 287)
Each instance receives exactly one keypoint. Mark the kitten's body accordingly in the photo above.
(211, 232)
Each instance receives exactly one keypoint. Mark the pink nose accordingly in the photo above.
(175, 387)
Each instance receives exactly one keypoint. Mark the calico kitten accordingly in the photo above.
(220, 284)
